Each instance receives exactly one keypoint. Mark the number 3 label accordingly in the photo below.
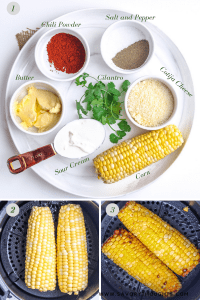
(12, 210)
(112, 209)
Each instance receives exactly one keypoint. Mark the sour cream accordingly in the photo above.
(79, 138)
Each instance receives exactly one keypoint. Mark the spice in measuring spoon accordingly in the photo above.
(66, 53)
(133, 56)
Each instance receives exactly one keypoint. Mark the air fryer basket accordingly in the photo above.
(13, 244)
(118, 284)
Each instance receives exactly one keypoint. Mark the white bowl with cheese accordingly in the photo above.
(21, 92)
(149, 100)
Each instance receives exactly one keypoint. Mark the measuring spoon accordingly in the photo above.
(72, 141)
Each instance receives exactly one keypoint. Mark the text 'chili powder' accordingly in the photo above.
(66, 53)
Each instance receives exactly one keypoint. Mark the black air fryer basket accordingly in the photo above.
(13, 247)
(116, 284)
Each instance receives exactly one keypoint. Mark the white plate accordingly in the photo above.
(80, 179)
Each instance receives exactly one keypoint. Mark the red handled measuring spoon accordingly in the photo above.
(32, 158)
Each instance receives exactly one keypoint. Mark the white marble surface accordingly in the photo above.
(181, 180)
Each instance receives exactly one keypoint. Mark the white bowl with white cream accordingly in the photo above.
(79, 138)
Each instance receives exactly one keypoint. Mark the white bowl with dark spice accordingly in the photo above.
(62, 54)
(127, 46)
(151, 103)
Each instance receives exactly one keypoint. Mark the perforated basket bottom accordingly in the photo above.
(122, 285)
(13, 246)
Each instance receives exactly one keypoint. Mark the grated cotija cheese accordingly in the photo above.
(150, 103)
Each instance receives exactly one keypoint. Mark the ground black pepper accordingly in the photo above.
(133, 56)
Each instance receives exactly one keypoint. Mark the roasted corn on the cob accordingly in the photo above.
(167, 243)
(131, 255)
(40, 265)
(137, 153)
(72, 258)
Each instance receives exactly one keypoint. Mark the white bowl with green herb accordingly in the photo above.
(127, 46)
(103, 102)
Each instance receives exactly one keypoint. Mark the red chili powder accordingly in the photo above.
(66, 53)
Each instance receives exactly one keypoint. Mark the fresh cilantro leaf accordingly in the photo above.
(113, 138)
(97, 91)
(112, 89)
(78, 110)
(121, 134)
(108, 99)
(115, 92)
(101, 85)
(115, 98)
(123, 125)
(117, 108)
(111, 120)
(98, 113)
(98, 102)
(83, 82)
(125, 85)
(103, 120)
(110, 85)
(89, 98)
(80, 107)
(90, 86)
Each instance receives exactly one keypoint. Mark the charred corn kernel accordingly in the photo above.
(72, 258)
(40, 264)
(148, 148)
(125, 250)
(167, 243)
(186, 208)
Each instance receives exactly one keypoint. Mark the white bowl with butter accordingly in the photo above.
(46, 112)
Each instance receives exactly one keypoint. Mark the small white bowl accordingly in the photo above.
(41, 56)
(21, 92)
(169, 121)
(58, 140)
(120, 35)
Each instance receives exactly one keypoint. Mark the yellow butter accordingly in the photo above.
(40, 108)
(46, 121)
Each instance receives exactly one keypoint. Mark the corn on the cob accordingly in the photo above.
(40, 265)
(72, 258)
(167, 243)
(131, 255)
(137, 153)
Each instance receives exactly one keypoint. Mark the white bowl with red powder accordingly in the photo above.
(62, 54)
